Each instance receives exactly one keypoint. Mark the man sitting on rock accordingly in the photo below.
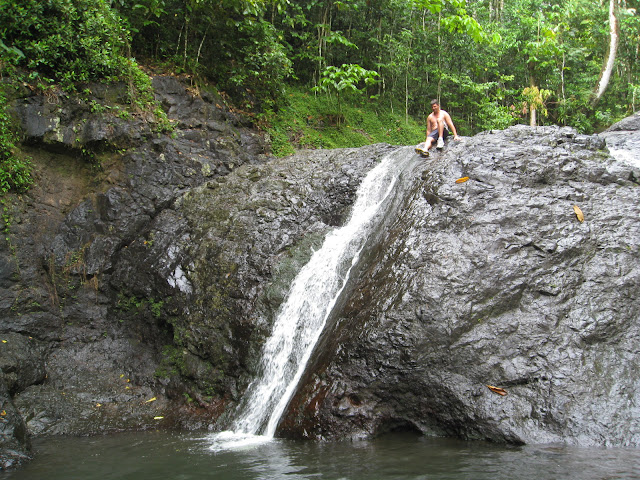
(438, 125)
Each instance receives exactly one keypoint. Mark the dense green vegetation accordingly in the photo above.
(15, 172)
(311, 121)
(490, 63)
(317, 72)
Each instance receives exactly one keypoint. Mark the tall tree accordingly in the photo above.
(607, 67)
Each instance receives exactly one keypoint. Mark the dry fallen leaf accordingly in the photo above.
(579, 214)
(462, 180)
(498, 390)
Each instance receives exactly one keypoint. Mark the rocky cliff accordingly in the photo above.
(137, 292)
(494, 281)
(82, 353)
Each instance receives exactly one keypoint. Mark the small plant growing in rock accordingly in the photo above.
(15, 172)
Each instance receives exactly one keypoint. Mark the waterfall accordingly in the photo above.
(304, 313)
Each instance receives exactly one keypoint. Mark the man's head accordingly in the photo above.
(435, 106)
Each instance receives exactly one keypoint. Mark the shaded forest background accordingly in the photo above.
(491, 63)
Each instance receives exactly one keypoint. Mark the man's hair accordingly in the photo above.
(435, 102)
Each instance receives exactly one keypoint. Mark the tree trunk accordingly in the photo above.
(533, 121)
(406, 72)
(195, 68)
(607, 68)
(186, 39)
(439, 58)
(324, 28)
(562, 77)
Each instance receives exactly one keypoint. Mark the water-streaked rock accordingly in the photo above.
(142, 293)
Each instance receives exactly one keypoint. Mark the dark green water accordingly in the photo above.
(153, 455)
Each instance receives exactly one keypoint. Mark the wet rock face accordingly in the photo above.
(226, 253)
(494, 281)
(137, 297)
(14, 440)
(140, 298)
(88, 342)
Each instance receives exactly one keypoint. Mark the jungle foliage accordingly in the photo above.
(491, 63)
(15, 171)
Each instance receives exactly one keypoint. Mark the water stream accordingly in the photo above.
(304, 313)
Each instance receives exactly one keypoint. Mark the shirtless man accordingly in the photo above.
(438, 125)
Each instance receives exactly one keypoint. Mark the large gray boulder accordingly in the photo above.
(494, 281)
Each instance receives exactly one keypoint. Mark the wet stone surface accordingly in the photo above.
(139, 297)
(494, 281)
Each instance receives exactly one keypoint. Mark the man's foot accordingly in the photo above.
(440, 143)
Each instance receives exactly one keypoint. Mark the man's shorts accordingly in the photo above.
(434, 133)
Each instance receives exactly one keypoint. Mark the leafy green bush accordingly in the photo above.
(262, 65)
(493, 116)
(349, 78)
(65, 41)
(69, 42)
(15, 173)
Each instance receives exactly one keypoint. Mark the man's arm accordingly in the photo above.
(449, 122)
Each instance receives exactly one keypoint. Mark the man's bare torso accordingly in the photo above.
(433, 119)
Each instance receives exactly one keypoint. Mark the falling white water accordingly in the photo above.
(304, 313)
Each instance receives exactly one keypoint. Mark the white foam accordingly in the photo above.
(228, 440)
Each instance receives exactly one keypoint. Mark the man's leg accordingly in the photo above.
(431, 139)
(440, 143)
